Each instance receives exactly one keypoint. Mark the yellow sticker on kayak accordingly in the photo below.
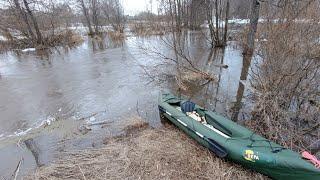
(250, 155)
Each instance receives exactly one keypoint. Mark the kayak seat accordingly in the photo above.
(173, 102)
(187, 106)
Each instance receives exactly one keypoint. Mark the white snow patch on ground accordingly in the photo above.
(230, 21)
(92, 119)
(22, 133)
(2, 38)
(239, 21)
(28, 49)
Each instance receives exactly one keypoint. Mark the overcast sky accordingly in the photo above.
(133, 7)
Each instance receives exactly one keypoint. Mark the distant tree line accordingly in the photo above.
(100, 12)
(38, 22)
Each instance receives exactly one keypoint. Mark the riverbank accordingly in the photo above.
(142, 152)
(66, 38)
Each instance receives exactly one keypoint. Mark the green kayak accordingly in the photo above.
(229, 140)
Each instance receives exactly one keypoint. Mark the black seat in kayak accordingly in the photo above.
(187, 106)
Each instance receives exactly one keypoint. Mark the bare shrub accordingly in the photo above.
(286, 75)
(147, 29)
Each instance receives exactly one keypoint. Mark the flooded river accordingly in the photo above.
(46, 97)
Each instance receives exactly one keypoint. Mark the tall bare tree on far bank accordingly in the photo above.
(95, 15)
(218, 28)
(23, 15)
(34, 21)
(86, 15)
(26, 14)
(118, 19)
(254, 18)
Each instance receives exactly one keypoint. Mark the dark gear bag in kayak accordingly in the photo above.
(187, 106)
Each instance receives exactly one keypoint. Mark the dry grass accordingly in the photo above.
(149, 29)
(116, 35)
(68, 38)
(65, 38)
(144, 153)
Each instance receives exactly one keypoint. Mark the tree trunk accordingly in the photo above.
(86, 15)
(217, 24)
(226, 24)
(25, 18)
(95, 16)
(254, 18)
(179, 22)
(34, 21)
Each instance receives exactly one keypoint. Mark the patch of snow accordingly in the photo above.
(239, 21)
(92, 119)
(28, 49)
(21, 133)
(47, 122)
(204, 25)
(2, 38)
(230, 21)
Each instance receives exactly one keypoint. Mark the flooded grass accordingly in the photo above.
(144, 153)
(67, 38)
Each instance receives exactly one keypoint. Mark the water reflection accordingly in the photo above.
(218, 56)
(244, 75)
(35, 151)
(105, 41)
(218, 95)
(97, 43)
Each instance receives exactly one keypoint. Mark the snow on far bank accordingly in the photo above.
(230, 21)
(28, 49)
(247, 21)
(239, 21)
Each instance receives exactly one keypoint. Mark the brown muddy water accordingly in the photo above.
(64, 99)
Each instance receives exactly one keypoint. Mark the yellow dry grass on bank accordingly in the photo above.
(144, 153)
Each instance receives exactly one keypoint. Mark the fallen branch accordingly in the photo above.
(84, 177)
(16, 171)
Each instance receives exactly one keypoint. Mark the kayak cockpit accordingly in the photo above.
(199, 114)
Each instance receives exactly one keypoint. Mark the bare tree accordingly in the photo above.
(286, 79)
(23, 15)
(254, 18)
(117, 18)
(34, 21)
(85, 12)
(217, 27)
(95, 15)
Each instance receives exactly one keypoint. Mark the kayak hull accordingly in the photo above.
(229, 140)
